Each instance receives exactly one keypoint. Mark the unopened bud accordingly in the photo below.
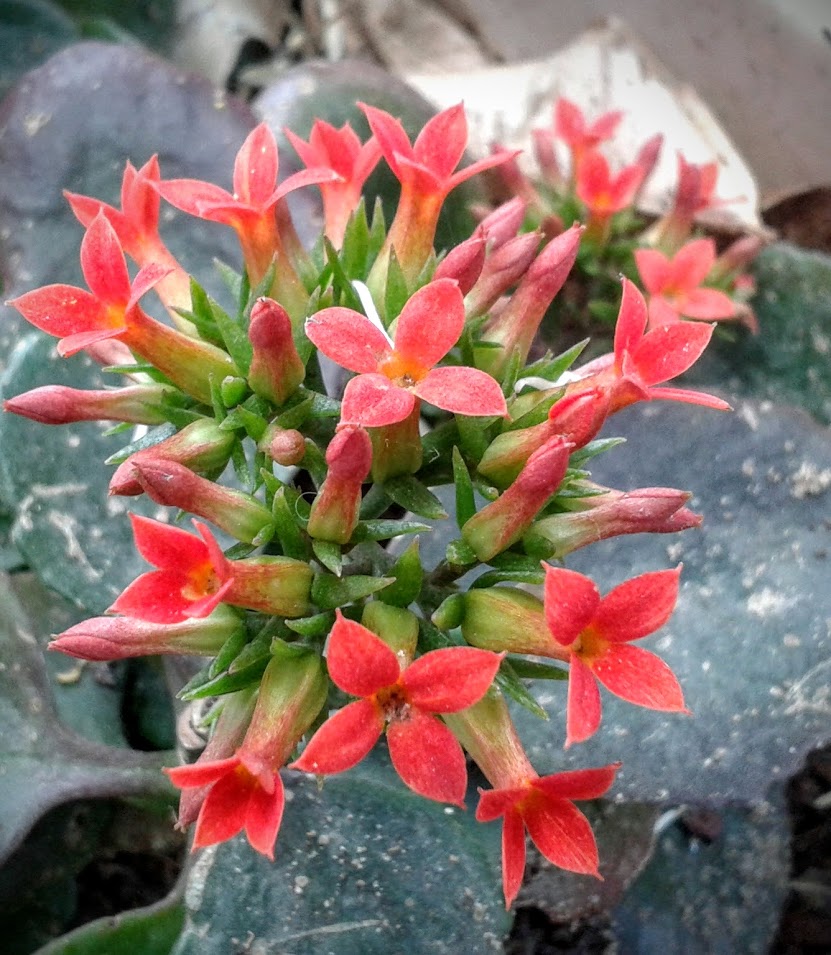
(276, 370)
(56, 404)
(464, 263)
(334, 513)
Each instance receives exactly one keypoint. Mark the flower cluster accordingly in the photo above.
(322, 629)
(677, 267)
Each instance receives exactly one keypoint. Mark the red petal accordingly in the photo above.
(430, 323)
(495, 159)
(220, 563)
(462, 390)
(428, 757)
(451, 679)
(62, 310)
(224, 810)
(315, 176)
(692, 263)
(103, 265)
(638, 606)
(442, 141)
(310, 154)
(255, 167)
(156, 597)
(654, 269)
(148, 277)
(494, 803)
(348, 338)
(708, 304)
(373, 401)
(570, 602)
(140, 201)
(605, 126)
(343, 740)
(578, 783)
(690, 397)
(165, 546)
(190, 195)
(625, 186)
(662, 313)
(583, 706)
(593, 178)
(670, 350)
(200, 774)
(631, 320)
(639, 677)
(569, 122)
(513, 855)
(390, 135)
(563, 835)
(206, 606)
(263, 816)
(74, 343)
(359, 662)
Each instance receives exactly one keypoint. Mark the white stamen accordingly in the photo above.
(369, 308)
(542, 383)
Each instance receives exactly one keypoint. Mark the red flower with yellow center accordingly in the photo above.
(404, 701)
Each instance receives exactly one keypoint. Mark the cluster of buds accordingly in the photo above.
(677, 267)
(322, 631)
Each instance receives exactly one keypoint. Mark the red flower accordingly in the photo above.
(425, 170)
(80, 317)
(570, 125)
(341, 151)
(543, 805)
(137, 226)
(250, 209)
(193, 575)
(424, 752)
(642, 360)
(392, 376)
(601, 192)
(598, 632)
(674, 284)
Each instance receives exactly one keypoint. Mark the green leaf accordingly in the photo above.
(412, 495)
(329, 554)
(552, 368)
(408, 576)
(526, 576)
(381, 530)
(363, 865)
(293, 542)
(512, 686)
(527, 669)
(465, 503)
(396, 291)
(318, 625)
(330, 592)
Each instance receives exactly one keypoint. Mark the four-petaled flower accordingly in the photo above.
(80, 318)
(341, 151)
(597, 632)
(393, 375)
(544, 806)
(250, 209)
(193, 574)
(674, 284)
(424, 752)
(643, 360)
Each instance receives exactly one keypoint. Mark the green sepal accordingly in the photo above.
(512, 686)
(377, 233)
(313, 627)
(234, 390)
(492, 577)
(329, 592)
(382, 529)
(552, 368)
(465, 503)
(409, 493)
(460, 554)
(408, 576)
(532, 670)
(293, 541)
(228, 652)
(396, 292)
(450, 613)
(329, 554)
(355, 247)
(235, 338)
(341, 283)
(593, 448)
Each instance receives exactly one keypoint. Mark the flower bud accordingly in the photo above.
(56, 404)
(516, 325)
(334, 513)
(273, 585)
(201, 446)
(502, 270)
(114, 638)
(463, 263)
(238, 514)
(501, 523)
(737, 256)
(276, 370)
(397, 448)
(547, 159)
(506, 619)
(396, 626)
(286, 446)
(503, 223)
(655, 510)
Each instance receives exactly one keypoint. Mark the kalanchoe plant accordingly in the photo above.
(670, 259)
(321, 627)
